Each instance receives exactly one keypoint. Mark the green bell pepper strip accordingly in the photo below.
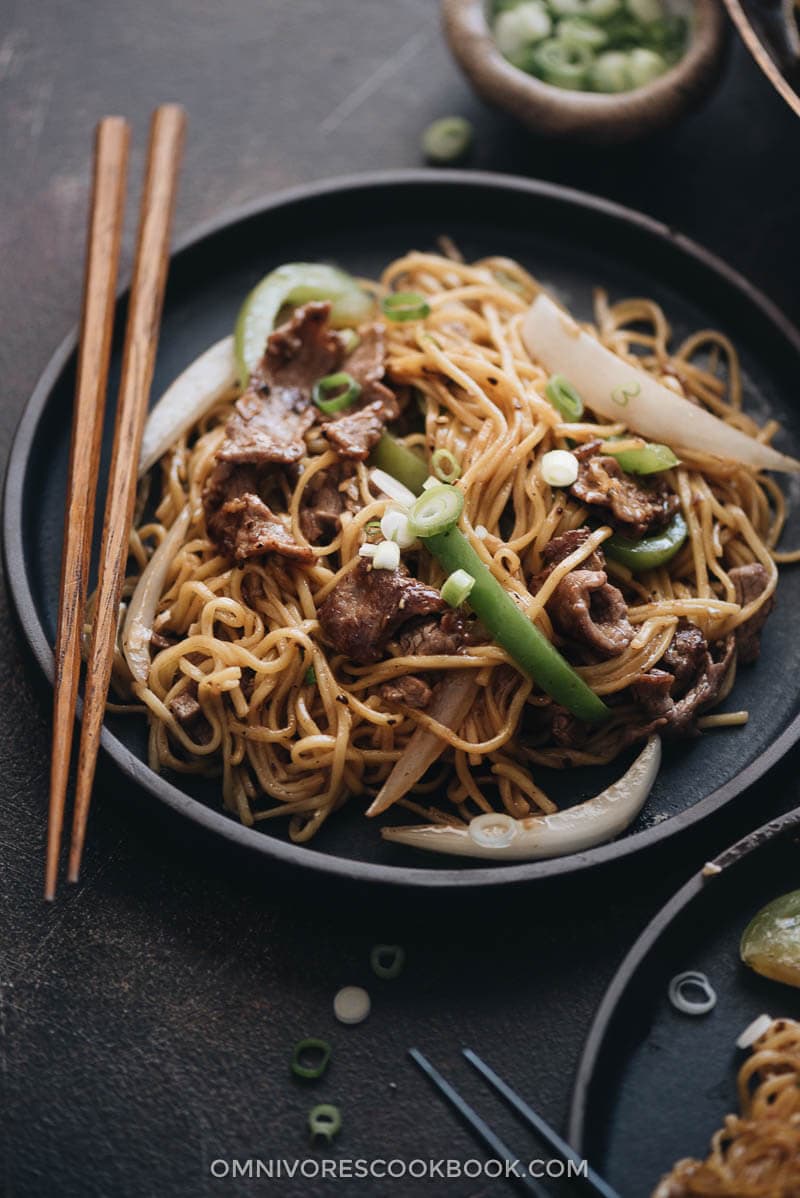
(650, 552)
(650, 459)
(512, 629)
(295, 283)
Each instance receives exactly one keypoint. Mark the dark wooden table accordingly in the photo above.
(147, 1017)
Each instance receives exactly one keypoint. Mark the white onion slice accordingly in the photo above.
(754, 1031)
(203, 383)
(138, 627)
(352, 1004)
(616, 390)
(692, 1006)
(449, 706)
(541, 836)
(391, 487)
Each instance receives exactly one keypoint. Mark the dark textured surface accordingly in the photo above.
(148, 1016)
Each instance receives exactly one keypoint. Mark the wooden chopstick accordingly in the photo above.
(138, 362)
(106, 213)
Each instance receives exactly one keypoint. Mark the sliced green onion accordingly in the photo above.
(511, 628)
(564, 398)
(394, 458)
(350, 340)
(559, 468)
(445, 466)
(521, 27)
(667, 36)
(448, 139)
(611, 72)
(310, 1058)
(405, 305)
(646, 11)
(585, 33)
(430, 481)
(650, 552)
(457, 587)
(310, 676)
(621, 395)
(562, 63)
(325, 1120)
(436, 510)
(595, 10)
(387, 961)
(395, 526)
(336, 392)
(645, 65)
(650, 459)
(386, 556)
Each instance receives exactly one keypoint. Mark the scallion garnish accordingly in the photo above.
(405, 305)
(562, 63)
(387, 961)
(457, 587)
(310, 676)
(336, 392)
(436, 510)
(564, 398)
(445, 466)
(447, 140)
(310, 1058)
(621, 395)
(324, 1120)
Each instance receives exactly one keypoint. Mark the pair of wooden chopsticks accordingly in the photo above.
(106, 217)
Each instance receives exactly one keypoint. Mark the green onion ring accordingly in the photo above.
(564, 398)
(457, 587)
(405, 305)
(447, 140)
(324, 1120)
(436, 510)
(310, 676)
(336, 392)
(321, 1051)
(446, 467)
(388, 970)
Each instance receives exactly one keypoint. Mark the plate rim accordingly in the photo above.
(218, 822)
(643, 946)
(760, 53)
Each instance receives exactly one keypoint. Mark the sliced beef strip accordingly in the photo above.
(356, 431)
(239, 522)
(431, 636)
(328, 494)
(590, 611)
(434, 636)
(189, 714)
(367, 607)
(408, 690)
(750, 581)
(635, 507)
(562, 546)
(679, 717)
(275, 413)
(685, 656)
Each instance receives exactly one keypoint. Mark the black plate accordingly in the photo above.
(654, 1085)
(573, 242)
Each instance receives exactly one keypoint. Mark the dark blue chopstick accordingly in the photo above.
(590, 1179)
(481, 1129)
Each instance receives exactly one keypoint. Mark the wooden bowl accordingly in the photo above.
(587, 116)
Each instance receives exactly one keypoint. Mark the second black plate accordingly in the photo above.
(573, 243)
(653, 1084)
